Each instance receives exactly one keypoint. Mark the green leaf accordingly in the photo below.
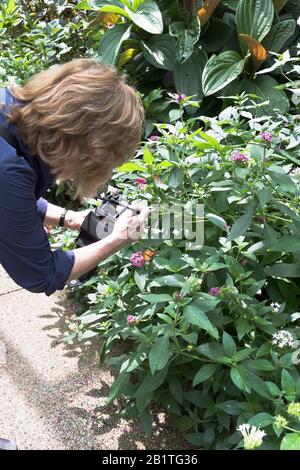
(264, 87)
(146, 421)
(261, 420)
(261, 364)
(211, 350)
(148, 157)
(288, 383)
(194, 316)
(175, 178)
(188, 76)
(176, 390)
(204, 373)
(156, 298)
(290, 441)
(118, 386)
(255, 18)
(147, 16)
(228, 344)
(187, 36)
(159, 51)
(151, 383)
(140, 278)
(216, 219)
(284, 182)
(220, 71)
(174, 280)
(111, 42)
(159, 354)
(284, 270)
(240, 381)
(279, 34)
(242, 224)
(129, 167)
(232, 407)
(114, 9)
(287, 244)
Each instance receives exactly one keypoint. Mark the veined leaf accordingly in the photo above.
(111, 42)
(279, 34)
(188, 76)
(126, 56)
(187, 36)
(194, 316)
(159, 354)
(291, 441)
(220, 71)
(129, 167)
(242, 224)
(264, 86)
(255, 18)
(147, 16)
(159, 51)
(204, 373)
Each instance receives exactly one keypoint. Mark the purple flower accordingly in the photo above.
(227, 227)
(214, 291)
(137, 259)
(240, 158)
(141, 183)
(245, 262)
(131, 319)
(154, 138)
(178, 296)
(180, 97)
(260, 219)
(267, 136)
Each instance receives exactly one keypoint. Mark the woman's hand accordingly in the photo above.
(74, 220)
(129, 226)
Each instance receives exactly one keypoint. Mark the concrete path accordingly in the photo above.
(53, 394)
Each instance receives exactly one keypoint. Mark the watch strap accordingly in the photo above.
(61, 222)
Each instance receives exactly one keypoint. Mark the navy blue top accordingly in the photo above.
(24, 246)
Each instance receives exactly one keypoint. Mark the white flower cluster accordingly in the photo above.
(253, 436)
(283, 339)
(275, 307)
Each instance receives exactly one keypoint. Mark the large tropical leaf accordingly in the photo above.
(188, 76)
(160, 51)
(255, 18)
(111, 42)
(221, 70)
(279, 35)
(147, 16)
(186, 37)
(264, 86)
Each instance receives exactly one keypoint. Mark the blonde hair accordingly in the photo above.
(82, 119)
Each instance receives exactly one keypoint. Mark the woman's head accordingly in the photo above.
(82, 119)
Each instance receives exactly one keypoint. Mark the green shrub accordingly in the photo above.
(212, 331)
(199, 48)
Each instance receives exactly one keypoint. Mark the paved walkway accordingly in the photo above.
(53, 394)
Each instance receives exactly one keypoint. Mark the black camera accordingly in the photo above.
(98, 224)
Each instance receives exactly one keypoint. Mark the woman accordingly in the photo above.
(76, 121)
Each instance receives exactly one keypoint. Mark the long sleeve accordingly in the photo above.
(24, 247)
(41, 205)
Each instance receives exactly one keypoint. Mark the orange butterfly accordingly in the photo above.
(149, 254)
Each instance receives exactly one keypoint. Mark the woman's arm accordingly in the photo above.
(127, 229)
(73, 220)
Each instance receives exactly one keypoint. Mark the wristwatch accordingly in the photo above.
(61, 222)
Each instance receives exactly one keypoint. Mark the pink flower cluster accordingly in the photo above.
(141, 183)
(154, 138)
(131, 319)
(267, 136)
(137, 259)
(240, 158)
(180, 97)
(214, 291)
